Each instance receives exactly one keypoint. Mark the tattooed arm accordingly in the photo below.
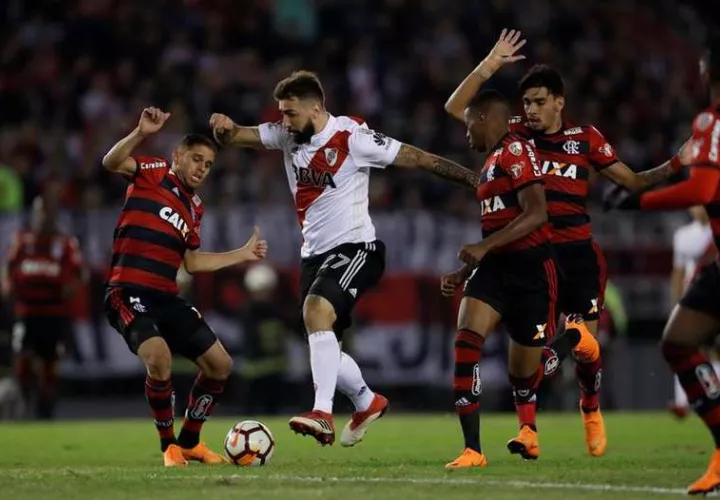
(228, 133)
(412, 157)
(621, 174)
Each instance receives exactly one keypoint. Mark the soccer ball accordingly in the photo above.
(249, 443)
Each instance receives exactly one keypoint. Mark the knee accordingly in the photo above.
(221, 368)
(318, 314)
(156, 355)
(673, 352)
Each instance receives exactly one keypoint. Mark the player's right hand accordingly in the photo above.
(450, 282)
(152, 120)
(504, 51)
(617, 197)
(222, 127)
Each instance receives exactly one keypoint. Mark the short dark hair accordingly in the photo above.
(301, 85)
(712, 58)
(542, 75)
(191, 140)
(482, 100)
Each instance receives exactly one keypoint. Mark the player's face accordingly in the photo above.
(298, 116)
(476, 129)
(193, 164)
(542, 108)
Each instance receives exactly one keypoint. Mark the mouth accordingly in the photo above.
(534, 121)
(197, 178)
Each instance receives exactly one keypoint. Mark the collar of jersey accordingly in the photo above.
(174, 178)
(324, 135)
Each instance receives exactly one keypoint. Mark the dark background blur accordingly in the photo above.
(74, 76)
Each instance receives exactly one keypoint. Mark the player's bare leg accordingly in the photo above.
(325, 357)
(155, 354)
(369, 406)
(525, 376)
(215, 368)
(687, 330)
(476, 320)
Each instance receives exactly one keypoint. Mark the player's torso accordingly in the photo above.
(40, 270)
(152, 233)
(565, 163)
(706, 154)
(498, 199)
(329, 190)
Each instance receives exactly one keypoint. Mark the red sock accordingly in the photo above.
(203, 398)
(589, 377)
(700, 382)
(160, 397)
(525, 394)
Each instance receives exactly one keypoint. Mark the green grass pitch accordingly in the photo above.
(649, 455)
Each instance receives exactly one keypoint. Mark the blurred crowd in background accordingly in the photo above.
(74, 76)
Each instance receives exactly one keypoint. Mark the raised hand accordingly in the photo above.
(504, 51)
(152, 120)
(255, 247)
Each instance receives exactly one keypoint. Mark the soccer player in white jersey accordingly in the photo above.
(328, 161)
(693, 247)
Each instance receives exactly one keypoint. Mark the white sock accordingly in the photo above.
(325, 364)
(680, 397)
(351, 383)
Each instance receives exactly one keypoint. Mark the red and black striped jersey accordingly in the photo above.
(510, 167)
(566, 158)
(40, 268)
(159, 221)
(705, 144)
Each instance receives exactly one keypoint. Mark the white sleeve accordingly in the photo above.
(273, 135)
(680, 255)
(369, 148)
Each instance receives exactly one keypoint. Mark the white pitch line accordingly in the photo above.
(611, 488)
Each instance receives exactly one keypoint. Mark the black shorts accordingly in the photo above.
(342, 275)
(139, 314)
(582, 273)
(522, 287)
(703, 293)
(45, 337)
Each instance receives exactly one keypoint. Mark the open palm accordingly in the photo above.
(505, 49)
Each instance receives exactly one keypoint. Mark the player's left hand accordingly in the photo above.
(472, 253)
(617, 197)
(255, 247)
(504, 51)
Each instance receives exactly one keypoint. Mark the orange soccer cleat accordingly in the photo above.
(354, 431)
(317, 424)
(469, 458)
(595, 436)
(710, 481)
(526, 444)
(588, 349)
(201, 453)
(173, 457)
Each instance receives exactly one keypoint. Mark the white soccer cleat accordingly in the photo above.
(354, 431)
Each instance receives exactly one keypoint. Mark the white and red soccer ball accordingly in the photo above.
(249, 444)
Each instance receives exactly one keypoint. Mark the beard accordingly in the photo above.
(304, 136)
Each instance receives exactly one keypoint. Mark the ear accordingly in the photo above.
(560, 102)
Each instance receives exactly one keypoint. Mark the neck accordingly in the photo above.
(556, 126)
(493, 137)
(321, 122)
(174, 171)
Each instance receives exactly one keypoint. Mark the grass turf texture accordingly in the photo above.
(649, 455)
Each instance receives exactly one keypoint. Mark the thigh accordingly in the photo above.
(185, 330)
(690, 327)
(583, 278)
(530, 319)
(133, 314)
(703, 293)
(523, 360)
(345, 275)
(477, 316)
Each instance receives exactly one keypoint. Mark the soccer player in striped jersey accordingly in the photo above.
(695, 321)
(157, 232)
(567, 154)
(41, 272)
(509, 277)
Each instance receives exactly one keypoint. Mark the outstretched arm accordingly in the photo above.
(228, 133)
(207, 262)
(621, 174)
(412, 157)
(502, 53)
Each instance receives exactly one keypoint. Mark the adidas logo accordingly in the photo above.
(462, 402)
(353, 292)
